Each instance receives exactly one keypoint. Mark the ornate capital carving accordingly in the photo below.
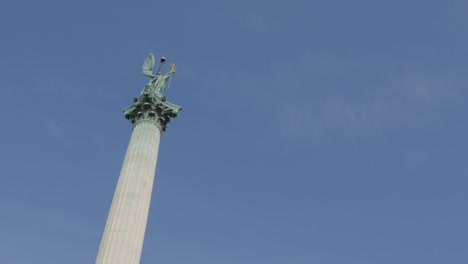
(151, 106)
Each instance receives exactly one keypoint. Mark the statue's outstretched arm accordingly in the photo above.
(169, 75)
(171, 72)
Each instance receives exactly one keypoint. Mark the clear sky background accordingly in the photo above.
(323, 132)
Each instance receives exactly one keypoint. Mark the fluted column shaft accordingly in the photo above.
(123, 236)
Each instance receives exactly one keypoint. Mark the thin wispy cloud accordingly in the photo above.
(394, 104)
(57, 131)
(427, 89)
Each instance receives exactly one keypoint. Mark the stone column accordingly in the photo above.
(125, 228)
(123, 236)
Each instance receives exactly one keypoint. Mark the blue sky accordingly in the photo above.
(312, 131)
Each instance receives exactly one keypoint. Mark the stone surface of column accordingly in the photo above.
(125, 228)
(122, 241)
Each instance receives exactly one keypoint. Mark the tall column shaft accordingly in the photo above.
(123, 236)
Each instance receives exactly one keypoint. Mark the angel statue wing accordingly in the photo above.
(148, 66)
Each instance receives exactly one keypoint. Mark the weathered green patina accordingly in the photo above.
(152, 104)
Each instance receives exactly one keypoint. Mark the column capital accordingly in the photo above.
(151, 106)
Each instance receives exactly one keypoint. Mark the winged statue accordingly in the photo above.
(152, 104)
(158, 80)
